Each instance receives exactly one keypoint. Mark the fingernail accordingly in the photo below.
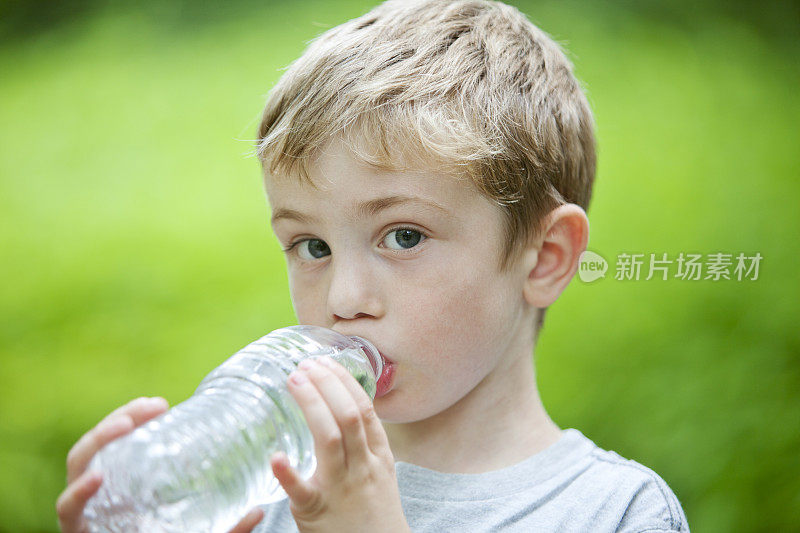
(327, 361)
(306, 364)
(282, 459)
(298, 378)
(157, 401)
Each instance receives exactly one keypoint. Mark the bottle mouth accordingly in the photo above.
(373, 355)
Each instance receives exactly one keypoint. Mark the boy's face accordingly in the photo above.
(429, 296)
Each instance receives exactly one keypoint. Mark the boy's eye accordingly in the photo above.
(316, 249)
(404, 238)
(399, 239)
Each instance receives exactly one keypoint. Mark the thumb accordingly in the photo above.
(304, 497)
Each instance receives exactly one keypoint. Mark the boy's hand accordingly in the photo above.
(81, 485)
(354, 487)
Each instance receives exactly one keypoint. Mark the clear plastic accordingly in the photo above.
(200, 466)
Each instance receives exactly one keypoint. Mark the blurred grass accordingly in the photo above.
(137, 255)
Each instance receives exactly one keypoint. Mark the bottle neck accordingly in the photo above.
(372, 353)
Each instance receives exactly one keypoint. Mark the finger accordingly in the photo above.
(82, 452)
(377, 441)
(71, 502)
(113, 426)
(141, 409)
(343, 407)
(305, 498)
(249, 521)
(328, 442)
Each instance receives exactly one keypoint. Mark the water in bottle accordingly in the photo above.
(200, 466)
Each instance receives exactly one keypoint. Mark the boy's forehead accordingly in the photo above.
(295, 201)
(338, 175)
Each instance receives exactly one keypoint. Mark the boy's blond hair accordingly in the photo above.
(471, 84)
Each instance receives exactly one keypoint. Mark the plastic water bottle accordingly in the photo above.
(200, 466)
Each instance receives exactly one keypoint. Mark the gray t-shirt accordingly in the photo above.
(571, 486)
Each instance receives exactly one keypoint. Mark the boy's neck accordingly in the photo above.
(499, 423)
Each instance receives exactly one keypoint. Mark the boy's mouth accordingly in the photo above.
(386, 379)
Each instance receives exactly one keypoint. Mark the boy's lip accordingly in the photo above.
(386, 379)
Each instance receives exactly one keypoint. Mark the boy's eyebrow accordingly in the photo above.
(362, 210)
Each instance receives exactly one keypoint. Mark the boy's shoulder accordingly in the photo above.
(573, 485)
(651, 504)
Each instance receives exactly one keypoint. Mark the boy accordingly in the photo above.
(428, 166)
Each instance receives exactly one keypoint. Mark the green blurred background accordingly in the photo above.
(136, 251)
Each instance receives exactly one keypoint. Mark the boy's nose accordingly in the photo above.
(353, 291)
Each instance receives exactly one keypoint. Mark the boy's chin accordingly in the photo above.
(392, 409)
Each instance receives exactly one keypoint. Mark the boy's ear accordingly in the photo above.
(551, 262)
